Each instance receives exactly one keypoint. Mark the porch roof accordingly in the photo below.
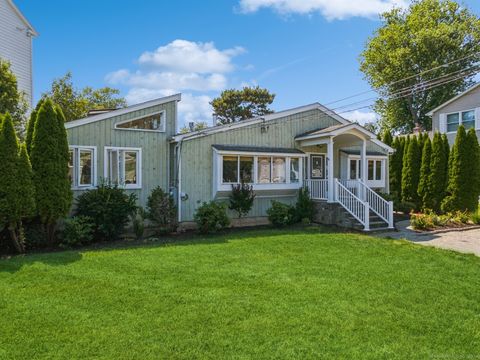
(259, 149)
(358, 152)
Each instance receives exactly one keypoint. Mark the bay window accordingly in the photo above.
(123, 167)
(81, 166)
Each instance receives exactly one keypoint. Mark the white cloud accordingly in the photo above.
(187, 56)
(180, 66)
(361, 117)
(331, 9)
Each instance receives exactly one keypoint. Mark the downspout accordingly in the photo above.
(179, 180)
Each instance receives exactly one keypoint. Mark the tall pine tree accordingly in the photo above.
(424, 191)
(31, 126)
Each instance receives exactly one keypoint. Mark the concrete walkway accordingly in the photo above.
(466, 241)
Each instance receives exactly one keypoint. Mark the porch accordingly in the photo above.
(342, 169)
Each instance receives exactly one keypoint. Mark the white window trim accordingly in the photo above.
(139, 165)
(460, 120)
(287, 185)
(76, 173)
(162, 113)
(371, 183)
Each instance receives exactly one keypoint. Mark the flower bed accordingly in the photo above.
(431, 221)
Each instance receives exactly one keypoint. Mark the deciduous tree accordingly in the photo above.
(11, 99)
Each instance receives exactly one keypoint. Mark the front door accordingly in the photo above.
(317, 166)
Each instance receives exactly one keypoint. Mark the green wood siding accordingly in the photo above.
(155, 146)
(197, 156)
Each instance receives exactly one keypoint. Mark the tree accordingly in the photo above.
(16, 191)
(411, 172)
(438, 172)
(236, 105)
(474, 149)
(49, 157)
(31, 126)
(12, 100)
(387, 137)
(241, 199)
(431, 34)
(396, 166)
(196, 127)
(460, 193)
(76, 103)
(424, 190)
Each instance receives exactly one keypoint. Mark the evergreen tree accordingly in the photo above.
(424, 191)
(31, 126)
(411, 172)
(49, 164)
(387, 137)
(474, 149)
(459, 190)
(395, 166)
(26, 197)
(438, 172)
(9, 210)
(447, 150)
(64, 157)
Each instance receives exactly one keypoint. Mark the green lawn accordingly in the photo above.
(247, 295)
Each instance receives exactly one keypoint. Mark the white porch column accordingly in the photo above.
(330, 177)
(364, 171)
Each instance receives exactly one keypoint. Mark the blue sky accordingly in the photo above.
(303, 51)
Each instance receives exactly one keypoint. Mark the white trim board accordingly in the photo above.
(128, 109)
(23, 18)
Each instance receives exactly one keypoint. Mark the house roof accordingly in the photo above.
(357, 152)
(110, 114)
(23, 18)
(336, 130)
(265, 118)
(260, 149)
(431, 112)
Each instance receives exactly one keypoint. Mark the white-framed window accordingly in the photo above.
(263, 171)
(123, 166)
(354, 169)
(376, 170)
(82, 167)
(154, 122)
(465, 118)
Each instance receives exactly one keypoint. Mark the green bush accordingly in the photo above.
(211, 217)
(404, 206)
(304, 208)
(281, 214)
(421, 221)
(475, 217)
(161, 211)
(241, 199)
(459, 217)
(110, 207)
(138, 221)
(78, 231)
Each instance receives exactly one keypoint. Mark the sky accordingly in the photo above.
(304, 51)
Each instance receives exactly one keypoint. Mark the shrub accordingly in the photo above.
(421, 221)
(304, 209)
(139, 223)
(281, 214)
(110, 207)
(241, 199)
(475, 217)
(35, 234)
(78, 231)
(161, 211)
(211, 217)
(459, 217)
(404, 206)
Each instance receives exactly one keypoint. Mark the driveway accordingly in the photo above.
(466, 241)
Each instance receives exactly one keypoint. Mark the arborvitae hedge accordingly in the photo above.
(31, 126)
(438, 171)
(459, 190)
(49, 157)
(387, 138)
(26, 198)
(474, 150)
(411, 172)
(424, 191)
(396, 165)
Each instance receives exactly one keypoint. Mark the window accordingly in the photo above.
(375, 170)
(81, 166)
(355, 169)
(260, 169)
(123, 167)
(294, 170)
(154, 122)
(465, 118)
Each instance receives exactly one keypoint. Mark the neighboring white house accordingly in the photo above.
(463, 109)
(16, 35)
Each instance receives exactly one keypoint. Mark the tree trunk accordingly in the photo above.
(50, 230)
(16, 239)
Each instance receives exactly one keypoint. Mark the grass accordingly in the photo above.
(246, 295)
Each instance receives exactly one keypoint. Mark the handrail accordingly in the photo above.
(354, 205)
(318, 188)
(380, 206)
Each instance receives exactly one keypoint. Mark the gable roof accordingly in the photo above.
(109, 115)
(23, 18)
(256, 120)
(430, 113)
(261, 149)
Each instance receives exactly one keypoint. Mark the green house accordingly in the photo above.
(343, 165)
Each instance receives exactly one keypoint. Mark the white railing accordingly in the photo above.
(318, 188)
(352, 185)
(380, 206)
(354, 205)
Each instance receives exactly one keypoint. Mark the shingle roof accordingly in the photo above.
(357, 152)
(322, 130)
